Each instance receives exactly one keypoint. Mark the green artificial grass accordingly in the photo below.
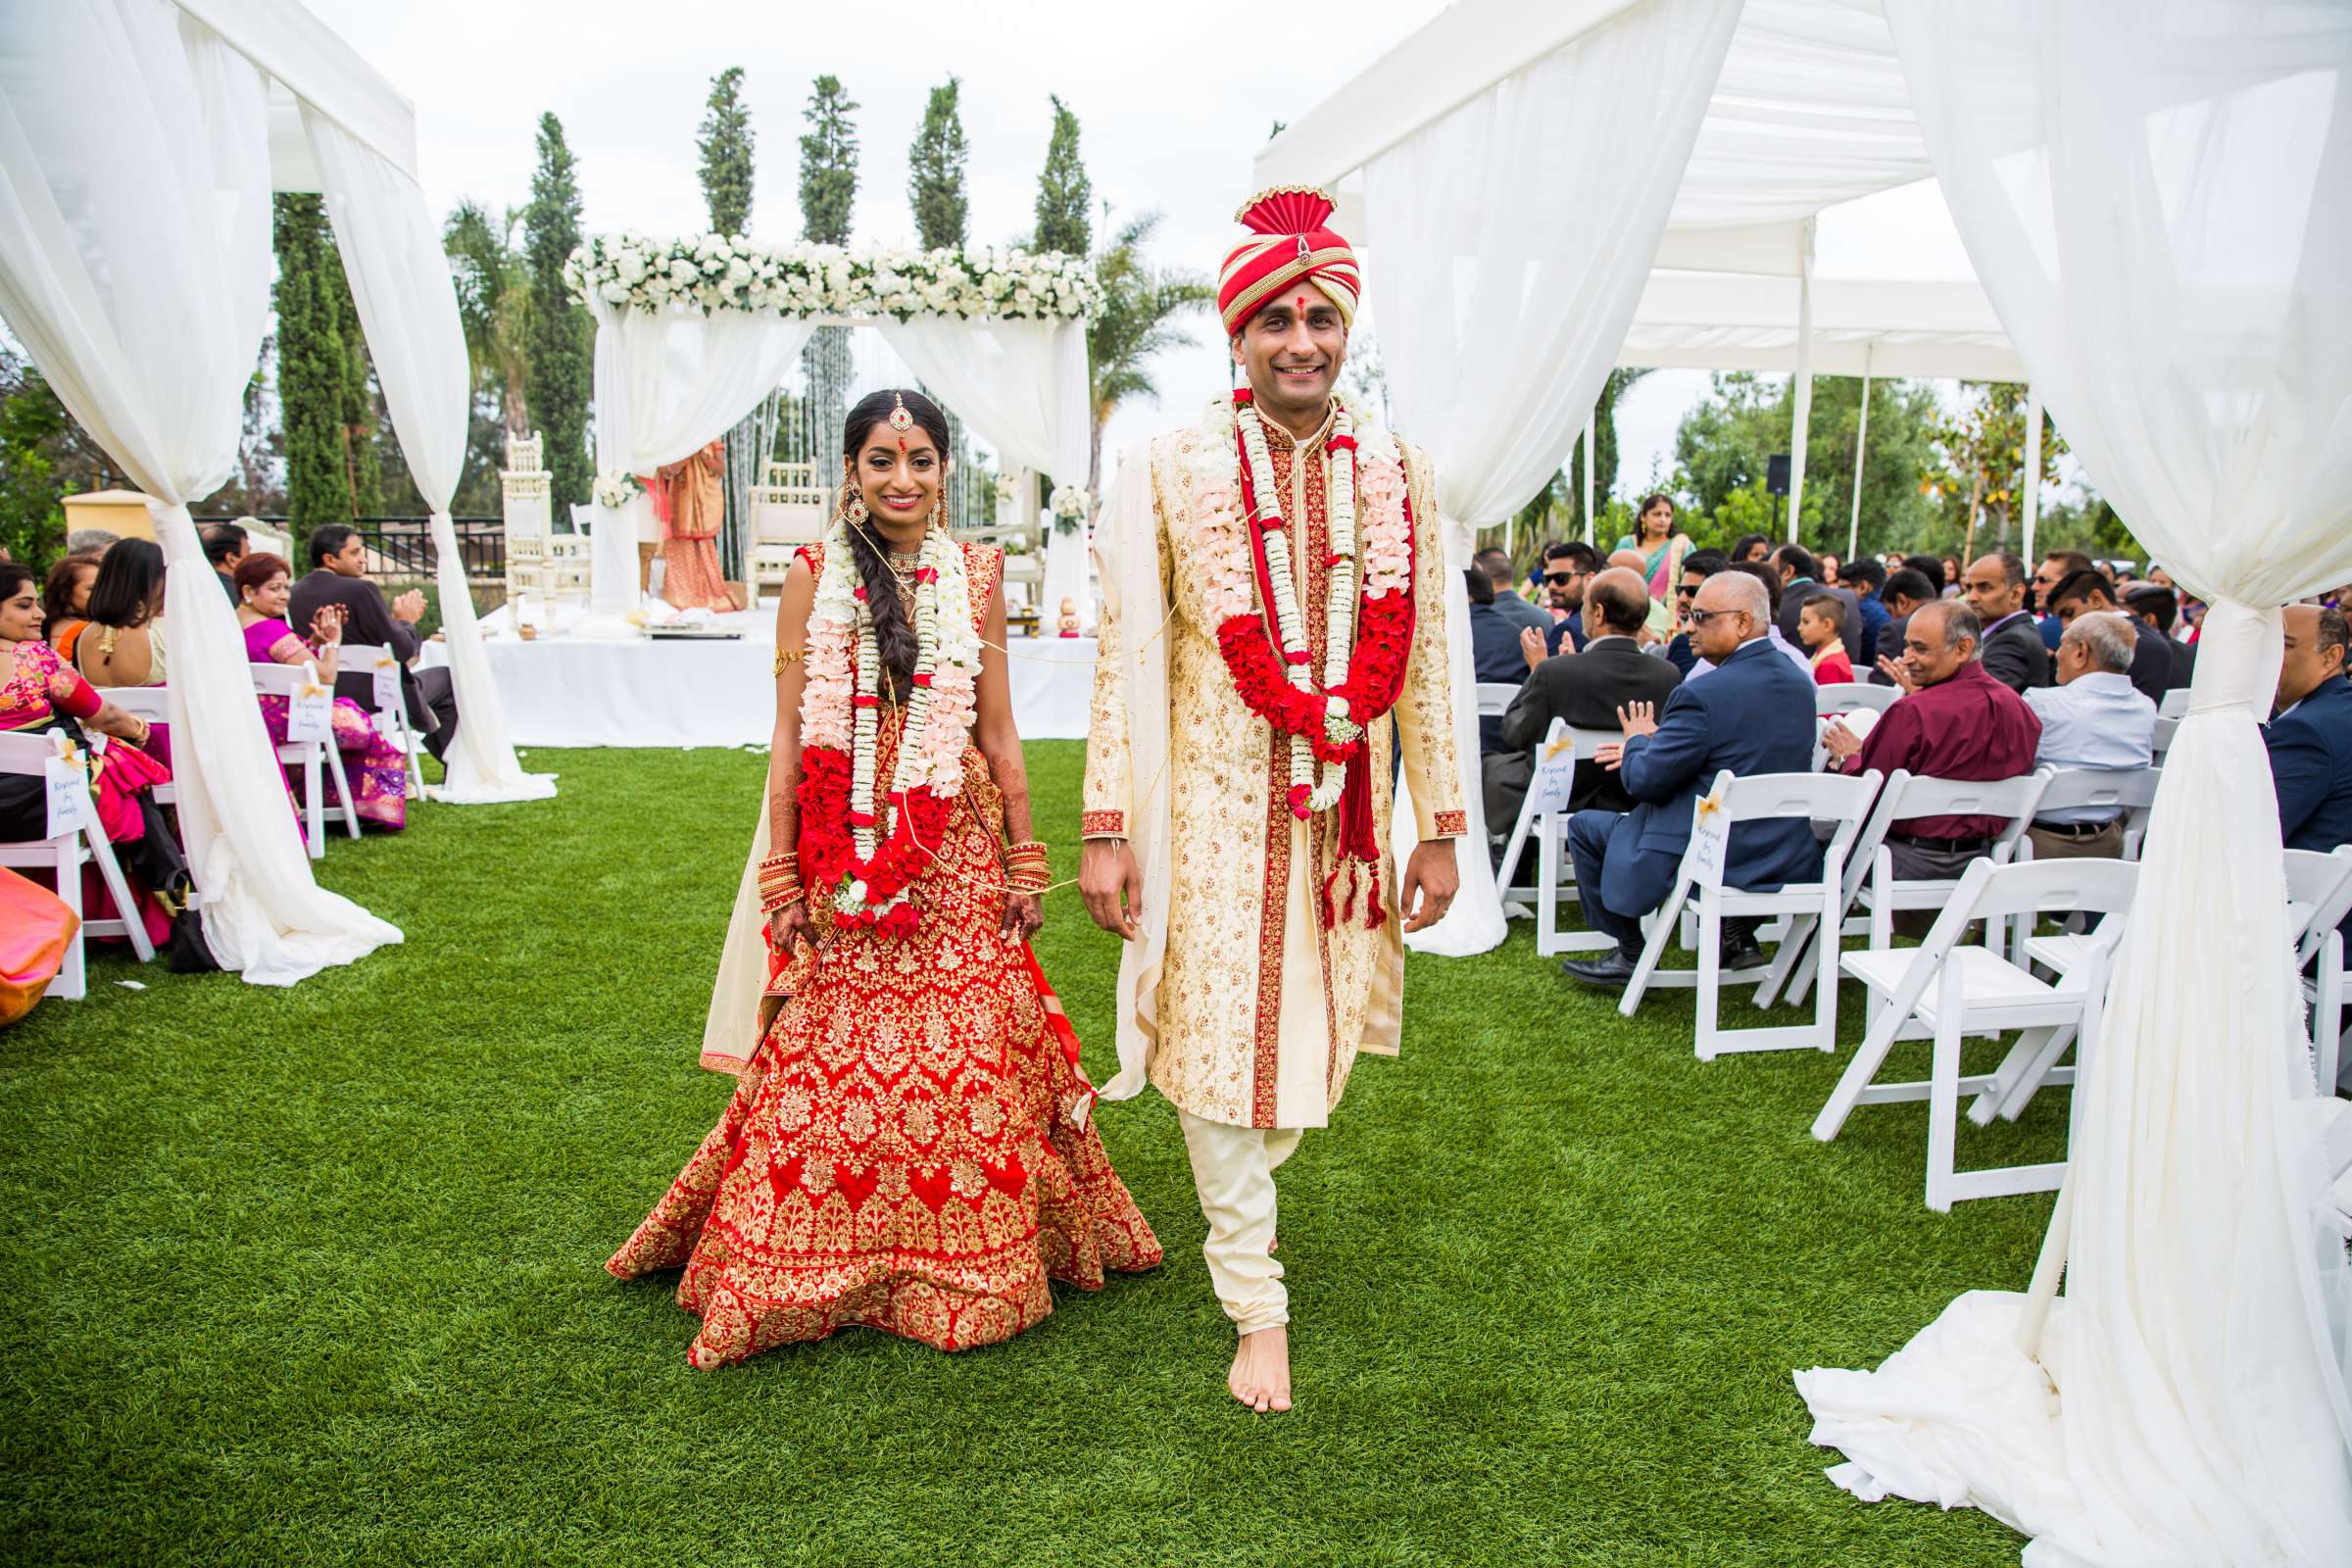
(313, 1275)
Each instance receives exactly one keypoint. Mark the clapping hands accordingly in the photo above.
(1635, 720)
(1896, 672)
(1532, 647)
(410, 606)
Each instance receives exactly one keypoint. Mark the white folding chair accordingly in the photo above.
(1948, 991)
(64, 855)
(1813, 798)
(1843, 697)
(314, 758)
(2322, 886)
(1909, 795)
(392, 717)
(2165, 728)
(2125, 791)
(2175, 704)
(1550, 832)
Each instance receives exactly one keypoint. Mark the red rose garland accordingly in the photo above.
(1383, 634)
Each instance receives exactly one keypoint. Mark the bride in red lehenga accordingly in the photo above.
(909, 1149)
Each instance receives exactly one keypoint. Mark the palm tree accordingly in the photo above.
(494, 306)
(1140, 304)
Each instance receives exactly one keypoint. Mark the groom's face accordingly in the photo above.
(1293, 350)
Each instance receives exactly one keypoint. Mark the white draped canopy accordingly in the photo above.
(2151, 194)
(135, 177)
(670, 380)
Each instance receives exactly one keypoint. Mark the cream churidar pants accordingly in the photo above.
(1233, 1170)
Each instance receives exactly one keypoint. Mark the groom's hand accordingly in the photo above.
(1106, 873)
(1432, 877)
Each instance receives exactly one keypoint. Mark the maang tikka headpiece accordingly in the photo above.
(900, 421)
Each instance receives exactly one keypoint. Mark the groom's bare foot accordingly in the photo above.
(1261, 1371)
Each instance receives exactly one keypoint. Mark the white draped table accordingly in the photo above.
(576, 691)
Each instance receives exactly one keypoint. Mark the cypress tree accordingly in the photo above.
(725, 144)
(828, 165)
(562, 333)
(312, 368)
(935, 172)
(1064, 197)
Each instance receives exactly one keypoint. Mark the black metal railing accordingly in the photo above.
(405, 544)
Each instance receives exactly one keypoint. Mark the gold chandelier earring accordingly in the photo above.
(852, 504)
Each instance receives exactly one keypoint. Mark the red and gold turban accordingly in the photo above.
(1290, 246)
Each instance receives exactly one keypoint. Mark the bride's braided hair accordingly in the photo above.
(894, 632)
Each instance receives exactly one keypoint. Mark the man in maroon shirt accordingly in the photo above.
(1953, 720)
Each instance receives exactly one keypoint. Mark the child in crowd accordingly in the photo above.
(1820, 625)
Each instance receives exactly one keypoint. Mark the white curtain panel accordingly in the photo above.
(1021, 384)
(666, 384)
(134, 267)
(1475, 923)
(2153, 195)
(1508, 243)
(409, 309)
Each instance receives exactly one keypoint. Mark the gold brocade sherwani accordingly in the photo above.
(1259, 1011)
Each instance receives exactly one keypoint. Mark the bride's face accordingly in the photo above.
(899, 476)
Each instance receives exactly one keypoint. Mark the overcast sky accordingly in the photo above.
(1173, 103)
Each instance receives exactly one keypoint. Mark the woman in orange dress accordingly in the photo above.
(910, 1150)
(690, 503)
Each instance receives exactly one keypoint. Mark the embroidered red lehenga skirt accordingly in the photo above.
(905, 1150)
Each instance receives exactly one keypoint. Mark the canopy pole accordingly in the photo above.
(1589, 449)
(1854, 523)
(1804, 413)
(2032, 484)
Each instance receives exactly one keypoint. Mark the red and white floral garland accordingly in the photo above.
(1249, 555)
(863, 848)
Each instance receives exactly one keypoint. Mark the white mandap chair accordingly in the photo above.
(789, 509)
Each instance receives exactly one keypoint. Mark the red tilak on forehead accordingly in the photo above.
(1301, 303)
(901, 443)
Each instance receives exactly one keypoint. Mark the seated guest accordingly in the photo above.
(1955, 722)
(1931, 568)
(1507, 602)
(124, 645)
(1753, 547)
(1696, 569)
(1583, 689)
(2158, 607)
(1799, 581)
(2013, 653)
(1567, 569)
(39, 693)
(377, 770)
(1948, 576)
(90, 542)
(1865, 577)
(1754, 714)
(2093, 718)
(1771, 579)
(65, 601)
(224, 547)
(2055, 568)
(1658, 625)
(1827, 565)
(2310, 739)
(2087, 593)
(339, 577)
(1821, 630)
(1906, 590)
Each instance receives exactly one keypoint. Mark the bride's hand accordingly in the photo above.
(789, 925)
(1024, 912)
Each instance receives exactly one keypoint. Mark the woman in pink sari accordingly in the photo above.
(39, 693)
(379, 772)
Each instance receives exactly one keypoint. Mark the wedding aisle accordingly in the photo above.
(326, 1263)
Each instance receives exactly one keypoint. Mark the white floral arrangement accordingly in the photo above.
(1008, 489)
(1068, 504)
(617, 488)
(719, 272)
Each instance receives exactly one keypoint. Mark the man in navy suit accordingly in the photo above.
(1754, 714)
(2311, 738)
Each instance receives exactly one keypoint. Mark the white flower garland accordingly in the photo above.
(719, 272)
(940, 705)
(1367, 510)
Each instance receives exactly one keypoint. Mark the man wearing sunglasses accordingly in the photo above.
(1696, 569)
(1568, 570)
(1752, 714)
